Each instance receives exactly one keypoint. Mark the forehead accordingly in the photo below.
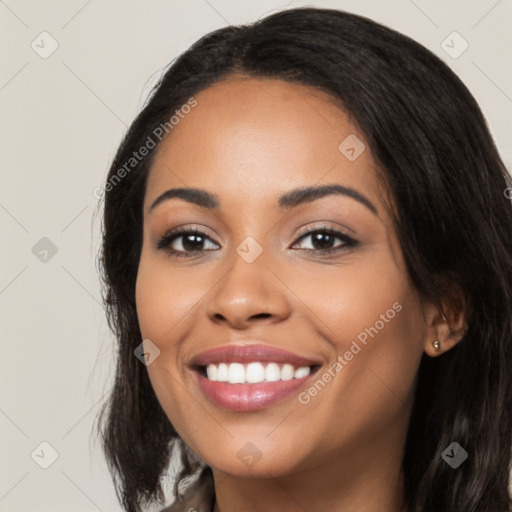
(263, 137)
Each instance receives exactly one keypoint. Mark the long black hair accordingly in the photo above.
(454, 223)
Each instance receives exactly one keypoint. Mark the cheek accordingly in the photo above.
(377, 384)
(373, 321)
(165, 298)
(378, 324)
(347, 298)
(168, 300)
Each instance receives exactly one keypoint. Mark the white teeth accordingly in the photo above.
(254, 373)
(272, 372)
(287, 372)
(301, 372)
(222, 372)
(211, 371)
(236, 373)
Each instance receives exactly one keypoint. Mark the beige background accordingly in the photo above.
(61, 121)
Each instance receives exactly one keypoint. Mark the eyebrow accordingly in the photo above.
(291, 199)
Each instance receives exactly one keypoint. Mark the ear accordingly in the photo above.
(447, 322)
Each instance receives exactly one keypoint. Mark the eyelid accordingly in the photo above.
(322, 226)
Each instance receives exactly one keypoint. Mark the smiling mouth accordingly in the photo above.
(244, 387)
(255, 372)
(251, 377)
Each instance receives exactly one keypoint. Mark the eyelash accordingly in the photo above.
(171, 236)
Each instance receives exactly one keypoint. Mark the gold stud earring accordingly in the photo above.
(437, 345)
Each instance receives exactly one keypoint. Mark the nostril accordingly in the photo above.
(261, 315)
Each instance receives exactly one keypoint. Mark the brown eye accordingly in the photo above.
(184, 242)
(322, 240)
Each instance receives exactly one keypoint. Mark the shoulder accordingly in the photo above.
(199, 496)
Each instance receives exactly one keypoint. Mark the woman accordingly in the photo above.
(307, 260)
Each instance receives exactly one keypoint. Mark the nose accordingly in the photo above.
(249, 293)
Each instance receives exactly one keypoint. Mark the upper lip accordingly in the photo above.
(250, 353)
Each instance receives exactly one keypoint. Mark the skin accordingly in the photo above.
(249, 141)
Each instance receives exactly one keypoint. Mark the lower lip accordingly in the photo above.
(249, 397)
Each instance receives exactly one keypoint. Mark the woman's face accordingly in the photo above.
(338, 302)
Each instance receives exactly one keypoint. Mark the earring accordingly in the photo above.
(437, 345)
